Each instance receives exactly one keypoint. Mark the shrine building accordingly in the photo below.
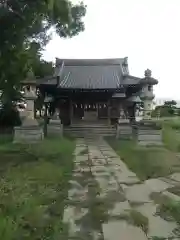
(97, 90)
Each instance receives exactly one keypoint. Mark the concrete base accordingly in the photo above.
(28, 134)
(55, 128)
(124, 131)
(150, 137)
(148, 133)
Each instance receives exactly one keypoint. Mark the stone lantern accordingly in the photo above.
(146, 94)
(29, 131)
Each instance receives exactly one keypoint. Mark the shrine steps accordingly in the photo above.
(90, 129)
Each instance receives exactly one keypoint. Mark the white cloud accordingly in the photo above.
(147, 31)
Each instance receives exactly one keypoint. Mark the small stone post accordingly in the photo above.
(124, 129)
(146, 94)
(55, 127)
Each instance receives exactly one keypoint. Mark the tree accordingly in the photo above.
(40, 67)
(26, 22)
(166, 110)
(170, 104)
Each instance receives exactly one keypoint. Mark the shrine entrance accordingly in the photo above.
(89, 112)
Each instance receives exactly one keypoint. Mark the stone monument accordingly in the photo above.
(29, 131)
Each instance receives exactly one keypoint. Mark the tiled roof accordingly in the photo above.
(89, 73)
(131, 80)
(49, 80)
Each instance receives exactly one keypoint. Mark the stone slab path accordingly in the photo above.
(104, 193)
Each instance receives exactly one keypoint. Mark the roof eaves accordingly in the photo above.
(129, 79)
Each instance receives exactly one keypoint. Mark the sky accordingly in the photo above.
(145, 31)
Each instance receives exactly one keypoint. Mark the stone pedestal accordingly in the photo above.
(28, 134)
(124, 129)
(148, 133)
(55, 128)
(30, 131)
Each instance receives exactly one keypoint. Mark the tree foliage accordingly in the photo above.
(40, 67)
(24, 30)
(30, 20)
(166, 110)
(170, 104)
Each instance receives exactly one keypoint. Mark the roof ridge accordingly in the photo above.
(89, 62)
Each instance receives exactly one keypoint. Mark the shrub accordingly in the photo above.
(9, 116)
(175, 126)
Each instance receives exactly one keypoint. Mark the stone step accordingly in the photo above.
(91, 126)
(82, 134)
(87, 130)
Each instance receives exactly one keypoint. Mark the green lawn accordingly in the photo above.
(171, 135)
(146, 162)
(33, 188)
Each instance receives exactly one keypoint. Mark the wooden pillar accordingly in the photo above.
(109, 112)
(45, 120)
(71, 111)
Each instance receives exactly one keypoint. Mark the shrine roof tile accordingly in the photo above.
(91, 74)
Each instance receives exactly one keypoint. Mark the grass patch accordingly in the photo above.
(167, 209)
(171, 135)
(33, 188)
(158, 238)
(171, 139)
(5, 138)
(175, 190)
(170, 210)
(146, 162)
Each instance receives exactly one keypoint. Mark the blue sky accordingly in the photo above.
(147, 31)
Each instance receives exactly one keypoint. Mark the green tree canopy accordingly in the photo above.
(40, 67)
(25, 26)
(27, 21)
(171, 103)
